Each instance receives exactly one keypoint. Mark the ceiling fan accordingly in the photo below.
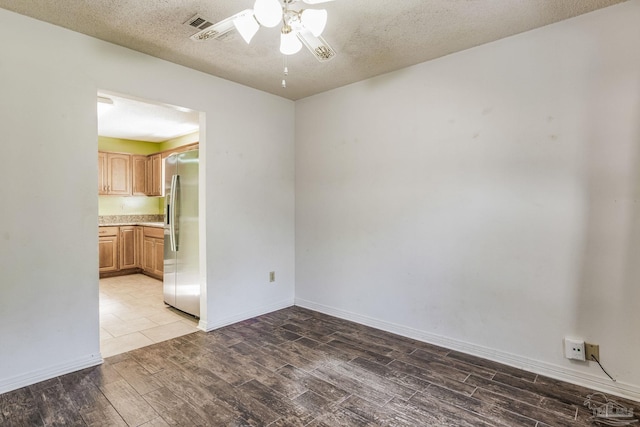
(299, 27)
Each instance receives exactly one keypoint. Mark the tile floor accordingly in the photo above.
(133, 315)
(298, 368)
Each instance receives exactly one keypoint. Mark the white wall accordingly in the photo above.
(49, 77)
(487, 201)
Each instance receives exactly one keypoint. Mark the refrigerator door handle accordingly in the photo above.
(172, 214)
(176, 213)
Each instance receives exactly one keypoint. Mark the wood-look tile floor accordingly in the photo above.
(296, 367)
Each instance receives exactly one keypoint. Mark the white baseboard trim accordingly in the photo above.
(621, 389)
(258, 311)
(23, 380)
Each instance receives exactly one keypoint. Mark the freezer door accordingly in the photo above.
(187, 261)
(169, 277)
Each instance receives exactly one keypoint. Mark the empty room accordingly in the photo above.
(414, 213)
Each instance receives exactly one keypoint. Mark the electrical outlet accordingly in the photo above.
(574, 349)
(272, 276)
(591, 350)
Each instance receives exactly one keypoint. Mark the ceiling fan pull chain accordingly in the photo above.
(286, 70)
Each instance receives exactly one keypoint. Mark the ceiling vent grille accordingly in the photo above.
(198, 22)
(223, 30)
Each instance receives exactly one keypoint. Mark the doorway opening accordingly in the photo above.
(136, 139)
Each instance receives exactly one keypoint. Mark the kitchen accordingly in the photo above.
(135, 140)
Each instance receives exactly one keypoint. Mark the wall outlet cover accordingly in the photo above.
(574, 349)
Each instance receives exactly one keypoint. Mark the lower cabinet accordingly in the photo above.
(108, 249)
(138, 242)
(131, 249)
(148, 254)
(127, 247)
(159, 268)
(153, 252)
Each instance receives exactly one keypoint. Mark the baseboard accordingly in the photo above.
(125, 272)
(33, 377)
(205, 326)
(621, 389)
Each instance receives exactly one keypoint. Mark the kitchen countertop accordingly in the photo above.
(145, 224)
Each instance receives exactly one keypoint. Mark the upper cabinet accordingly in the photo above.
(146, 175)
(154, 175)
(114, 174)
(139, 175)
(122, 174)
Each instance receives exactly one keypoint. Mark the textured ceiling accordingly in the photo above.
(371, 37)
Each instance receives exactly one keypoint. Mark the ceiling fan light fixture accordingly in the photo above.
(268, 12)
(314, 20)
(316, 45)
(300, 27)
(289, 43)
(247, 26)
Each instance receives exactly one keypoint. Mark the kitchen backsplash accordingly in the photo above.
(130, 205)
(126, 219)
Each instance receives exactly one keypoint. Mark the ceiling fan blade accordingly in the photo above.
(222, 29)
(316, 1)
(318, 46)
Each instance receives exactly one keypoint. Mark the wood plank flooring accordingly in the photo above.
(297, 367)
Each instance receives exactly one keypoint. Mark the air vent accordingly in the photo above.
(221, 31)
(198, 22)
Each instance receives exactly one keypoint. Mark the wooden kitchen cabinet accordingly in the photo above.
(139, 239)
(154, 175)
(127, 246)
(114, 174)
(148, 245)
(153, 252)
(181, 149)
(108, 249)
(123, 174)
(159, 258)
(131, 249)
(139, 175)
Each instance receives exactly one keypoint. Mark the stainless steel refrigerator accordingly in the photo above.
(181, 251)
